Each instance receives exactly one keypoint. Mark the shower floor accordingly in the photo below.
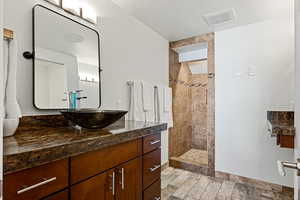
(195, 157)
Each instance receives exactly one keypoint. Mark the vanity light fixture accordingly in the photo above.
(71, 6)
(78, 8)
(55, 2)
(88, 13)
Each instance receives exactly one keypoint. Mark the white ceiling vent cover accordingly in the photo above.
(220, 18)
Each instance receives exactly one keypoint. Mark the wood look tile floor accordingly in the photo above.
(178, 184)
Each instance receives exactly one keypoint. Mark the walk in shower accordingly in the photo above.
(192, 80)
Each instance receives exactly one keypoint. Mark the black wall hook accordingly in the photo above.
(28, 55)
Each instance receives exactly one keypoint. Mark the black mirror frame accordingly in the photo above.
(33, 53)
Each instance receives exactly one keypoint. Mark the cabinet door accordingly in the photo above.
(129, 180)
(99, 187)
(64, 195)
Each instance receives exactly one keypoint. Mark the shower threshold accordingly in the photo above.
(193, 156)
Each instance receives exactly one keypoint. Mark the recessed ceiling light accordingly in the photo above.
(220, 18)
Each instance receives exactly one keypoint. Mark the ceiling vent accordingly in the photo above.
(220, 18)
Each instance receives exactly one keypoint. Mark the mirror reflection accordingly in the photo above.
(66, 65)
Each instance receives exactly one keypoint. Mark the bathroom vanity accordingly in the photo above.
(62, 164)
(49, 160)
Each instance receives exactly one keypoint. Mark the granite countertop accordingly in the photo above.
(32, 148)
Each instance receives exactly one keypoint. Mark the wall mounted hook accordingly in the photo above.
(28, 55)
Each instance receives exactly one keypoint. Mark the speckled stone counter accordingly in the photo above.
(30, 148)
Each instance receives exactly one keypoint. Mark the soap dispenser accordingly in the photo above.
(73, 99)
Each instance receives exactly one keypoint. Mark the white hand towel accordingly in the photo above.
(4, 77)
(167, 99)
(157, 104)
(168, 112)
(160, 114)
(147, 96)
(11, 106)
(135, 111)
(13, 110)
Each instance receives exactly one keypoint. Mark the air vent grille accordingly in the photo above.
(219, 18)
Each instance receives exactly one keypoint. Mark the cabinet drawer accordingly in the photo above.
(153, 192)
(90, 164)
(64, 195)
(151, 167)
(37, 182)
(151, 142)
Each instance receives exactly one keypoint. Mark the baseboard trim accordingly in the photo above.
(165, 166)
(253, 182)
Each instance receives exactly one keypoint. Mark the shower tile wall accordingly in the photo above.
(199, 111)
(180, 136)
(183, 136)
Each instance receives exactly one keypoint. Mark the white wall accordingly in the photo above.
(297, 100)
(129, 50)
(1, 95)
(266, 50)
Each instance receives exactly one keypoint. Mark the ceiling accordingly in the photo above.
(179, 19)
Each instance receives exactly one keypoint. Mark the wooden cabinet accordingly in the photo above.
(151, 143)
(98, 187)
(129, 180)
(92, 163)
(37, 182)
(64, 195)
(121, 183)
(152, 167)
(127, 171)
(153, 192)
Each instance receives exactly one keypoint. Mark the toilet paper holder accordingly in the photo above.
(285, 164)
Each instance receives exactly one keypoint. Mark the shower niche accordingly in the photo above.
(191, 140)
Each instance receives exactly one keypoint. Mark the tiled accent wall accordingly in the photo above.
(199, 112)
(181, 133)
(180, 136)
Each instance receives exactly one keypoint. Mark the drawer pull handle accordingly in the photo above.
(122, 178)
(156, 198)
(155, 142)
(36, 185)
(154, 168)
(113, 177)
